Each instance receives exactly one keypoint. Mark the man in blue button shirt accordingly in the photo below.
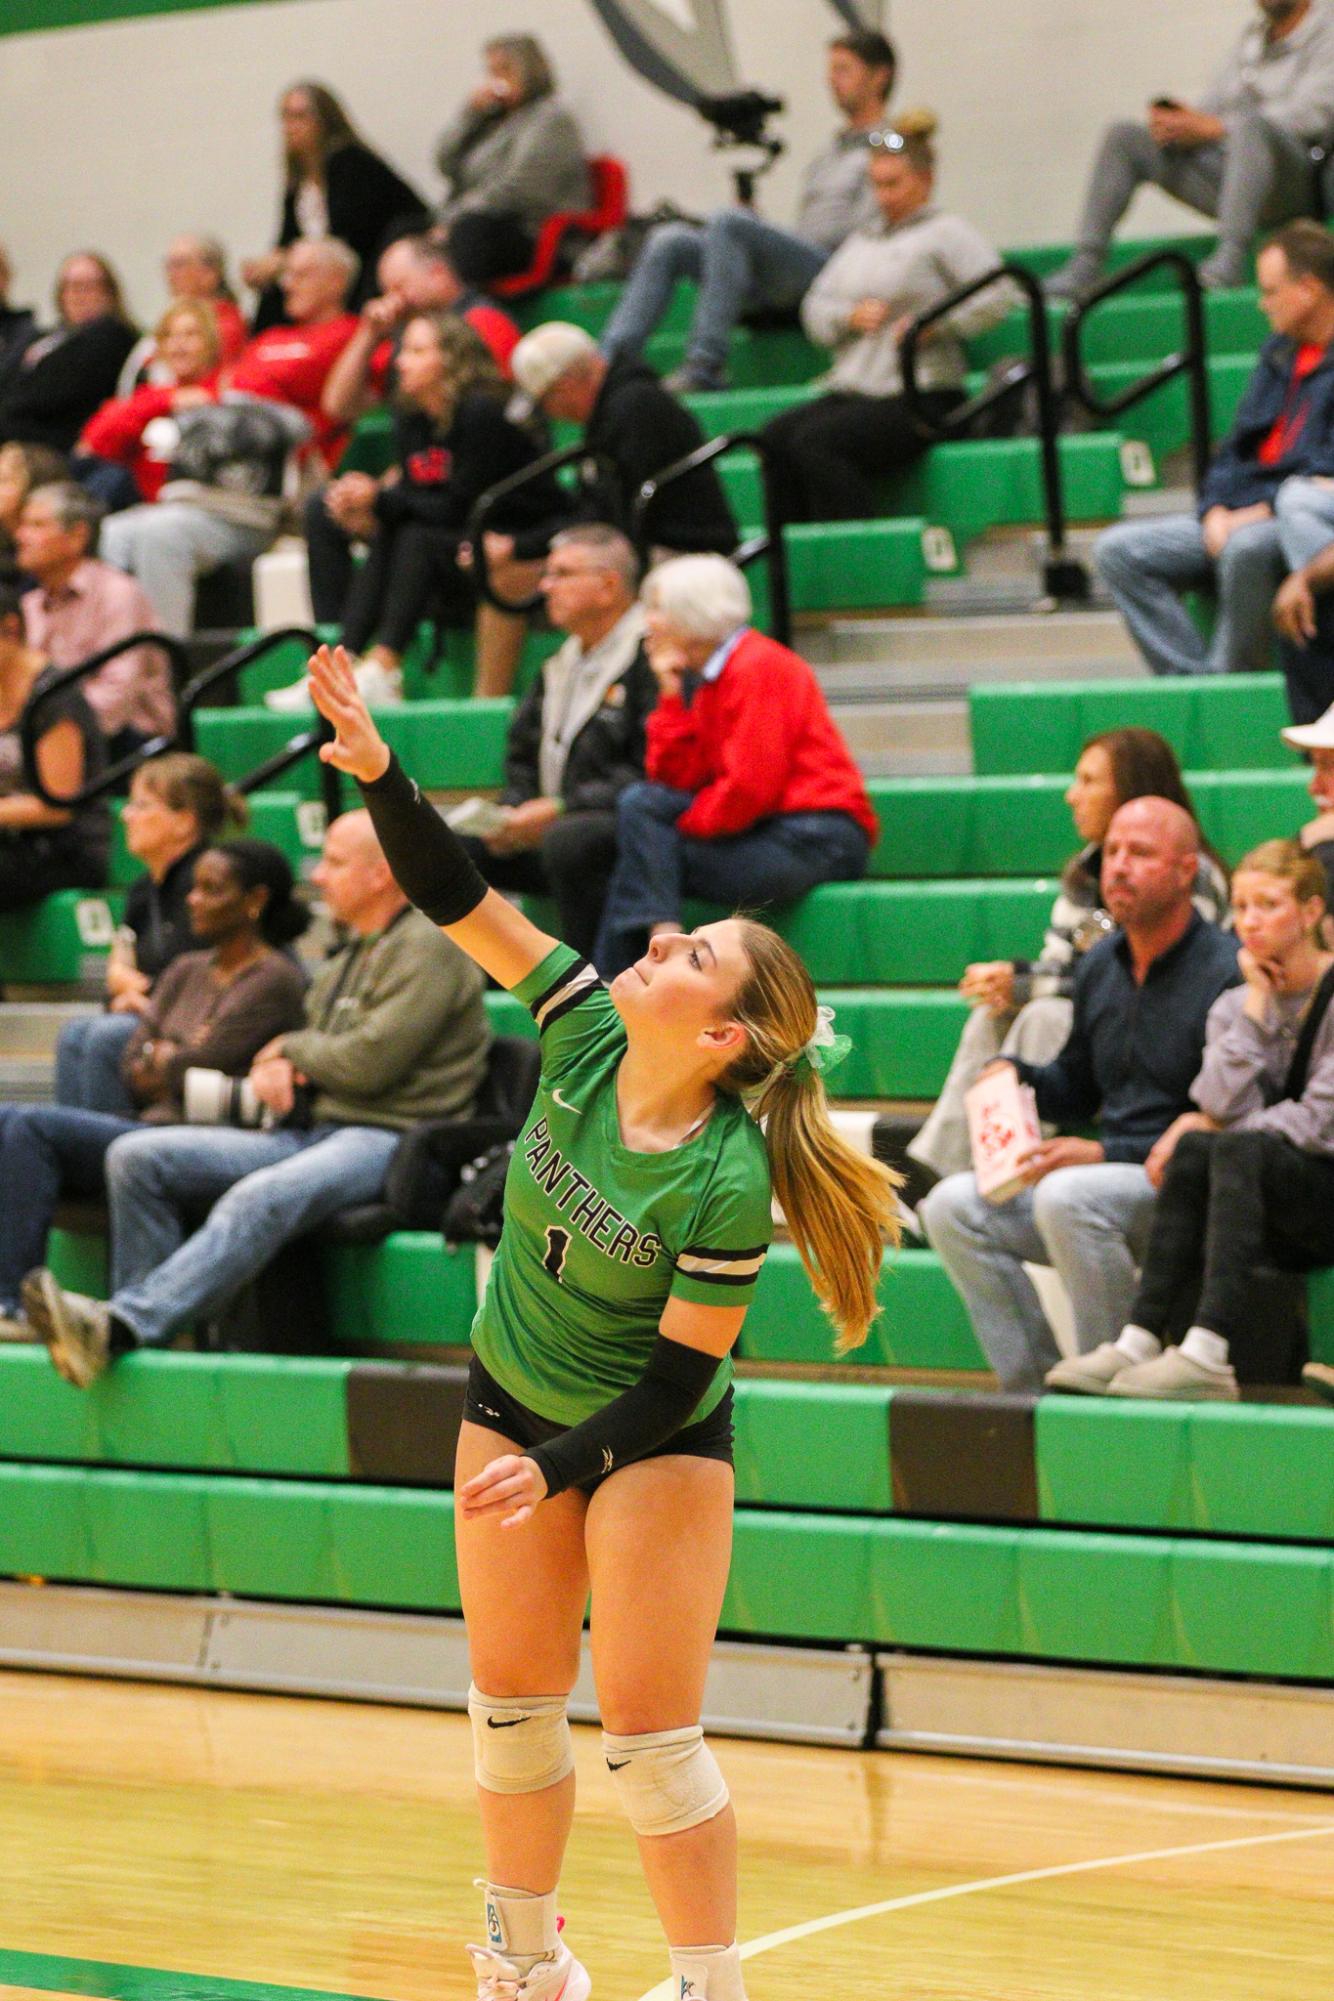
(1141, 1000)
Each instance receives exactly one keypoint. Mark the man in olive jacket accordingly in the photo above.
(395, 1033)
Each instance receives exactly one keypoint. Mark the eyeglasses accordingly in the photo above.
(886, 142)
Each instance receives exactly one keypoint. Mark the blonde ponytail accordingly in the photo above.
(838, 1202)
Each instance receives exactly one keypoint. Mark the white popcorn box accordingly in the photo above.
(1003, 1126)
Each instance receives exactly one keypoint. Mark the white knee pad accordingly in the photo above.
(520, 1745)
(668, 1780)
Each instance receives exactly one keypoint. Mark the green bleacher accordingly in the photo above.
(889, 1498)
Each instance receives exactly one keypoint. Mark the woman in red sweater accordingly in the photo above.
(126, 431)
(751, 795)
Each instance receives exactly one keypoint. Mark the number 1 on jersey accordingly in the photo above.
(558, 1243)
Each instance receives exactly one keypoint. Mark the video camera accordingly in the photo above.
(741, 118)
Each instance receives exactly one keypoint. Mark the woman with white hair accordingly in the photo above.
(751, 796)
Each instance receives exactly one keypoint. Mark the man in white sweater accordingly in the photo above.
(836, 448)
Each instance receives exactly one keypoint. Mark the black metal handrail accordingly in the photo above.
(770, 543)
(30, 731)
(305, 744)
(232, 663)
(1064, 576)
(487, 503)
(1191, 361)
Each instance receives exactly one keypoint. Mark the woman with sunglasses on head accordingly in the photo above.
(838, 447)
(596, 1447)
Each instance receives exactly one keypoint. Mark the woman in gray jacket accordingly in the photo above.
(513, 157)
(1247, 1181)
(836, 448)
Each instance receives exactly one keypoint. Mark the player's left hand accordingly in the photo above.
(510, 1487)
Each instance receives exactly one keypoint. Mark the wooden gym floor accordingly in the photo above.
(163, 1844)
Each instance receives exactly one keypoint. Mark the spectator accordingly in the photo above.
(752, 796)
(195, 267)
(22, 467)
(42, 847)
(50, 392)
(1242, 154)
(1022, 1007)
(577, 737)
(415, 276)
(334, 186)
(513, 157)
(17, 323)
(631, 420)
(195, 270)
(126, 443)
(212, 1010)
(743, 264)
(835, 448)
(454, 441)
(199, 524)
(1142, 997)
(1232, 545)
(178, 806)
(1303, 611)
(1247, 1181)
(80, 604)
(395, 1033)
(1316, 740)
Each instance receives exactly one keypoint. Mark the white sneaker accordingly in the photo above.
(559, 1978)
(1179, 1378)
(377, 684)
(1089, 1375)
(294, 700)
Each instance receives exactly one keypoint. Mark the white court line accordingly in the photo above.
(666, 1989)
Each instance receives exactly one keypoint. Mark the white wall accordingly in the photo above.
(117, 135)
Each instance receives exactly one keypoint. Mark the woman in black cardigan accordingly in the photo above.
(52, 388)
(334, 186)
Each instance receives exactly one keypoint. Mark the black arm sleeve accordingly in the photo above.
(431, 865)
(638, 1421)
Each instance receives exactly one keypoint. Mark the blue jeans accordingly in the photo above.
(657, 866)
(1091, 1224)
(88, 1057)
(266, 1188)
(1304, 511)
(742, 265)
(46, 1151)
(1148, 565)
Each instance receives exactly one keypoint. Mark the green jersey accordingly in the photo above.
(598, 1236)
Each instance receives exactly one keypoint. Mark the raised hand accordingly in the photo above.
(357, 748)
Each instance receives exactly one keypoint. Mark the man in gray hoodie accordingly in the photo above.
(1242, 154)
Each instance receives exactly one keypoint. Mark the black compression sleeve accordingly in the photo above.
(431, 865)
(638, 1421)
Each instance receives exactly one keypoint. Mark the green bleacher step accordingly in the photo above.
(923, 1324)
(943, 827)
(1222, 1607)
(447, 745)
(1227, 722)
(1139, 326)
(61, 941)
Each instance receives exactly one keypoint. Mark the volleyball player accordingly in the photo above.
(596, 1447)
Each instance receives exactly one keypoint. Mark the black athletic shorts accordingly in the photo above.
(495, 1409)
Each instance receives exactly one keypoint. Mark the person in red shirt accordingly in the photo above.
(751, 796)
(126, 431)
(192, 529)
